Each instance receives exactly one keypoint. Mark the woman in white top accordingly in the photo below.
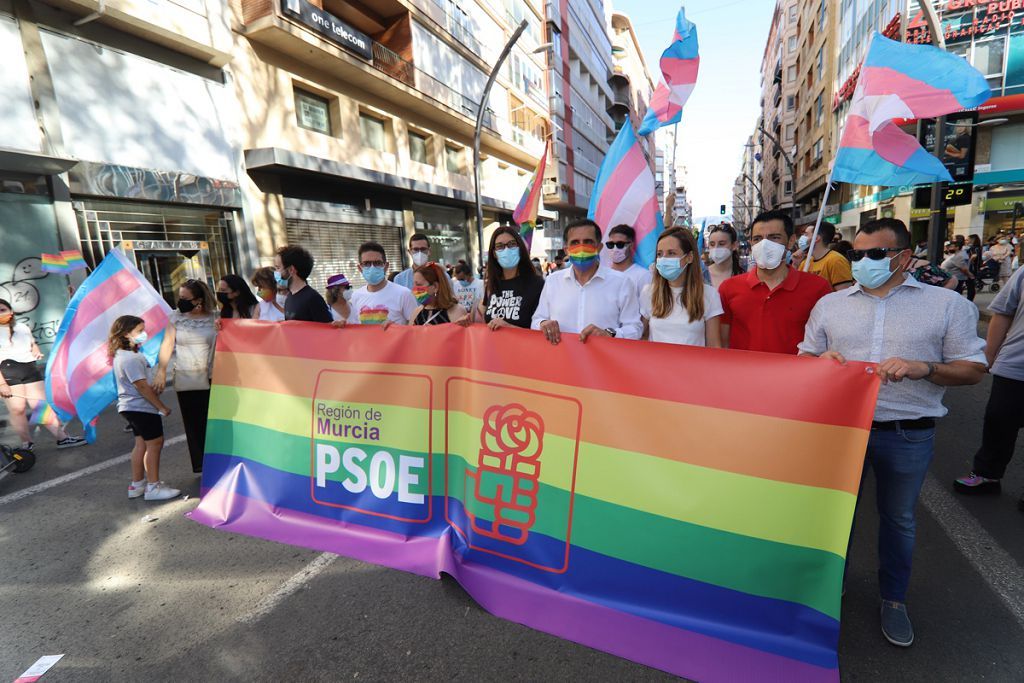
(190, 337)
(271, 305)
(21, 382)
(677, 307)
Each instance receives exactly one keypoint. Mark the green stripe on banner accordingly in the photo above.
(741, 504)
(747, 564)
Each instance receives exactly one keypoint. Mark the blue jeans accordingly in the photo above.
(900, 460)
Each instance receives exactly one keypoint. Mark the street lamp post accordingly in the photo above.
(479, 129)
(936, 209)
(789, 167)
(757, 189)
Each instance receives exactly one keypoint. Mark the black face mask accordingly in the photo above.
(223, 298)
(186, 306)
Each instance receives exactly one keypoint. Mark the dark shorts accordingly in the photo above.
(20, 373)
(147, 425)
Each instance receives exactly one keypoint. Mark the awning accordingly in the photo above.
(274, 159)
(21, 161)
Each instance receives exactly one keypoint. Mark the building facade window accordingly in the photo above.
(790, 102)
(791, 74)
(453, 159)
(312, 112)
(819, 110)
(817, 150)
(787, 188)
(792, 14)
(371, 129)
(791, 44)
(419, 146)
(821, 63)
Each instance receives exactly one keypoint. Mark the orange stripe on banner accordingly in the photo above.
(804, 453)
(740, 381)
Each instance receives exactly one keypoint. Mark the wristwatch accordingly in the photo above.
(610, 331)
(931, 369)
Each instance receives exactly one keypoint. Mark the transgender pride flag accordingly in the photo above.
(899, 81)
(79, 378)
(624, 193)
(679, 65)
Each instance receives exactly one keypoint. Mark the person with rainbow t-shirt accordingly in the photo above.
(379, 301)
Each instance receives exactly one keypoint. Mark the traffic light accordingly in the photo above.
(722, 210)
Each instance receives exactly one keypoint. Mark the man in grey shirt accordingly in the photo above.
(1004, 415)
(923, 339)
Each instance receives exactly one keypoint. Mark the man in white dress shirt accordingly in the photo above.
(621, 245)
(588, 298)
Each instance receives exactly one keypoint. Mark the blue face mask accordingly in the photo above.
(508, 258)
(282, 282)
(871, 274)
(803, 242)
(374, 275)
(669, 267)
(140, 338)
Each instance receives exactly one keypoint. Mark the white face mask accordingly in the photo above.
(720, 254)
(767, 254)
(347, 295)
(419, 258)
(618, 255)
(281, 298)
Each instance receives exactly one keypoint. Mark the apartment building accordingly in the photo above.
(812, 131)
(359, 122)
(780, 88)
(119, 129)
(581, 99)
(746, 193)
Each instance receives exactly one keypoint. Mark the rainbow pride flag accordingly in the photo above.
(525, 215)
(43, 414)
(561, 493)
(65, 262)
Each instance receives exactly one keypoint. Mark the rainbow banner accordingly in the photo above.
(694, 525)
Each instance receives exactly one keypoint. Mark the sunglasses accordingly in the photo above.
(617, 245)
(874, 254)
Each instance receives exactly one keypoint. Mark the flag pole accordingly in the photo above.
(817, 224)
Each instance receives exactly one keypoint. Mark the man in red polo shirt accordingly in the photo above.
(767, 308)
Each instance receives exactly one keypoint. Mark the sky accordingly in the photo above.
(721, 113)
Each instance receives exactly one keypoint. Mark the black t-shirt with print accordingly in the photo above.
(307, 304)
(515, 301)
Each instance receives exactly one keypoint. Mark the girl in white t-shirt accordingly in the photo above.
(21, 383)
(677, 307)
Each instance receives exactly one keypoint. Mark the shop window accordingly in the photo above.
(312, 112)
(371, 129)
(453, 159)
(419, 146)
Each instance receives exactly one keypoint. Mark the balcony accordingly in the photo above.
(387, 75)
(618, 78)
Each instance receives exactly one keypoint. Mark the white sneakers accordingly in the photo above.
(156, 491)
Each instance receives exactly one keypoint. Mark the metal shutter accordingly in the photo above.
(334, 247)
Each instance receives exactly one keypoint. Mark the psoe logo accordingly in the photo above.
(507, 478)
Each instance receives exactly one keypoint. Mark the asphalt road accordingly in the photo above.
(126, 599)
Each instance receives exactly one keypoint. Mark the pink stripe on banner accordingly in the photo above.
(618, 184)
(116, 287)
(665, 647)
(923, 99)
(96, 365)
(680, 71)
(857, 134)
(893, 145)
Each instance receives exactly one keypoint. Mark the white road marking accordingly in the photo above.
(996, 566)
(296, 582)
(77, 474)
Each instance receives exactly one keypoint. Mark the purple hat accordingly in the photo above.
(338, 280)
